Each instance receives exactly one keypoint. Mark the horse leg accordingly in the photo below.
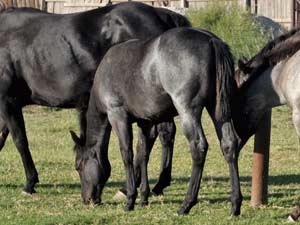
(296, 120)
(145, 143)
(228, 142)
(103, 136)
(82, 123)
(139, 158)
(123, 129)
(166, 131)
(295, 214)
(12, 115)
(231, 154)
(3, 133)
(192, 129)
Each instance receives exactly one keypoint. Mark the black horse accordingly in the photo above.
(177, 73)
(51, 59)
(13, 18)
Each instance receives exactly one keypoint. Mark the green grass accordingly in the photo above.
(58, 199)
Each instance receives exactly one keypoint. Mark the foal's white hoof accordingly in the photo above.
(291, 219)
(119, 196)
(26, 193)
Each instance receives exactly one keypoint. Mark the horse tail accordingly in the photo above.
(225, 83)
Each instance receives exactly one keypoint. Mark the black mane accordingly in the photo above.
(275, 51)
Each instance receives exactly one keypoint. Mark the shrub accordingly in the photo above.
(233, 24)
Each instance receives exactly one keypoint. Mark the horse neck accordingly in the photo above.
(255, 99)
(93, 124)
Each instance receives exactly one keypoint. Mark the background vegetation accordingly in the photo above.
(233, 24)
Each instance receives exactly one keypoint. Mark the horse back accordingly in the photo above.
(16, 17)
(150, 74)
(57, 55)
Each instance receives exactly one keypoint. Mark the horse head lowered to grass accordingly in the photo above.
(50, 59)
(177, 73)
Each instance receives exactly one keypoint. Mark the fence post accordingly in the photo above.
(260, 169)
(182, 3)
(248, 4)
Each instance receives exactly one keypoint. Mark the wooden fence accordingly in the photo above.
(285, 12)
(69, 6)
(281, 11)
(40, 4)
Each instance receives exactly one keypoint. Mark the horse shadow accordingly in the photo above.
(275, 180)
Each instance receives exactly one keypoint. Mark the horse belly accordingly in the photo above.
(155, 109)
(60, 91)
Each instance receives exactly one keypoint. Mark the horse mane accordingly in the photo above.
(275, 51)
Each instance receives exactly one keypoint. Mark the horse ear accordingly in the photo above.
(76, 139)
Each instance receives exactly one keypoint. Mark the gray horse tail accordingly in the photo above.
(225, 83)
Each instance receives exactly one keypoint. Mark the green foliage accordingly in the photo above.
(233, 24)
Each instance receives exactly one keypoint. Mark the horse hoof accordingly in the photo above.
(157, 191)
(295, 214)
(291, 219)
(182, 212)
(128, 208)
(236, 213)
(28, 191)
(154, 193)
(97, 202)
(143, 203)
(119, 196)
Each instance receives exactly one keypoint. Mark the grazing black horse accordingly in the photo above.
(177, 73)
(51, 59)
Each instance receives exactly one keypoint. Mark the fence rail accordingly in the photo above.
(285, 12)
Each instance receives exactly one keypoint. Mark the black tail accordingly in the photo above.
(225, 83)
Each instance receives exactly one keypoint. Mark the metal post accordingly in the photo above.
(260, 169)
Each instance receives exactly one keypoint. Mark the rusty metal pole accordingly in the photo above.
(260, 169)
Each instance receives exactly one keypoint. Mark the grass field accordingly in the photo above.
(58, 199)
